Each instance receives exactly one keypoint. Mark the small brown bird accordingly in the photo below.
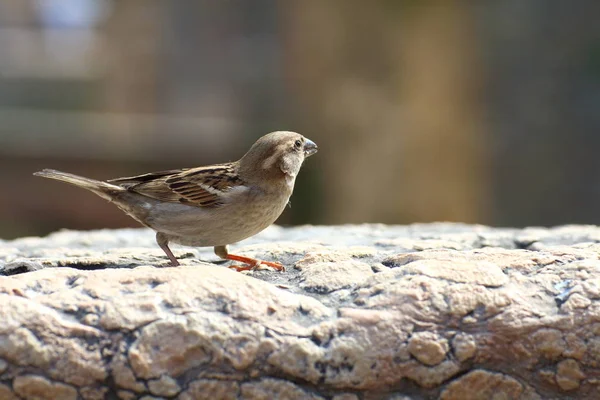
(215, 205)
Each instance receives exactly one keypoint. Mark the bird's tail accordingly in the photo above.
(102, 189)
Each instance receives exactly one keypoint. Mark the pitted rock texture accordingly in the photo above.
(437, 311)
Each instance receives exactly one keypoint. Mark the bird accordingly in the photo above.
(210, 206)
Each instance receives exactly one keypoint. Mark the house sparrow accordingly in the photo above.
(215, 205)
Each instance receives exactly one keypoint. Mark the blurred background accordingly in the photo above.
(474, 111)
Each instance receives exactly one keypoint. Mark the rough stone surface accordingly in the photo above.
(414, 312)
(39, 388)
(569, 374)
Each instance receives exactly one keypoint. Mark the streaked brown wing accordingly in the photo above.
(131, 181)
(200, 187)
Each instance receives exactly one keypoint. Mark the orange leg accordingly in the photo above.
(251, 263)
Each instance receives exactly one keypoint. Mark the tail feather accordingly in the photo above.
(102, 189)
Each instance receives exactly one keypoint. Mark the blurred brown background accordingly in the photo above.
(474, 111)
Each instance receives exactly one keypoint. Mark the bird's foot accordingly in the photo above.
(252, 264)
(168, 264)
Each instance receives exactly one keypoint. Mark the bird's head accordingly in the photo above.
(276, 156)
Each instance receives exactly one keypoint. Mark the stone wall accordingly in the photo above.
(363, 312)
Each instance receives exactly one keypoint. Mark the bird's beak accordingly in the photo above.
(310, 148)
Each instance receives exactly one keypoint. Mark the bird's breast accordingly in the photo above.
(240, 217)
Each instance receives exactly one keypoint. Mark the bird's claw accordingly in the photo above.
(275, 265)
(253, 265)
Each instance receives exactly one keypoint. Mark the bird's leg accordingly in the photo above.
(251, 263)
(163, 242)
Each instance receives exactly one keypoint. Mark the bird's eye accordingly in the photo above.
(298, 143)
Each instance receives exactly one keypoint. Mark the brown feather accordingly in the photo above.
(199, 187)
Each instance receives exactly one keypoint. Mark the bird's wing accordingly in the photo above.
(199, 187)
